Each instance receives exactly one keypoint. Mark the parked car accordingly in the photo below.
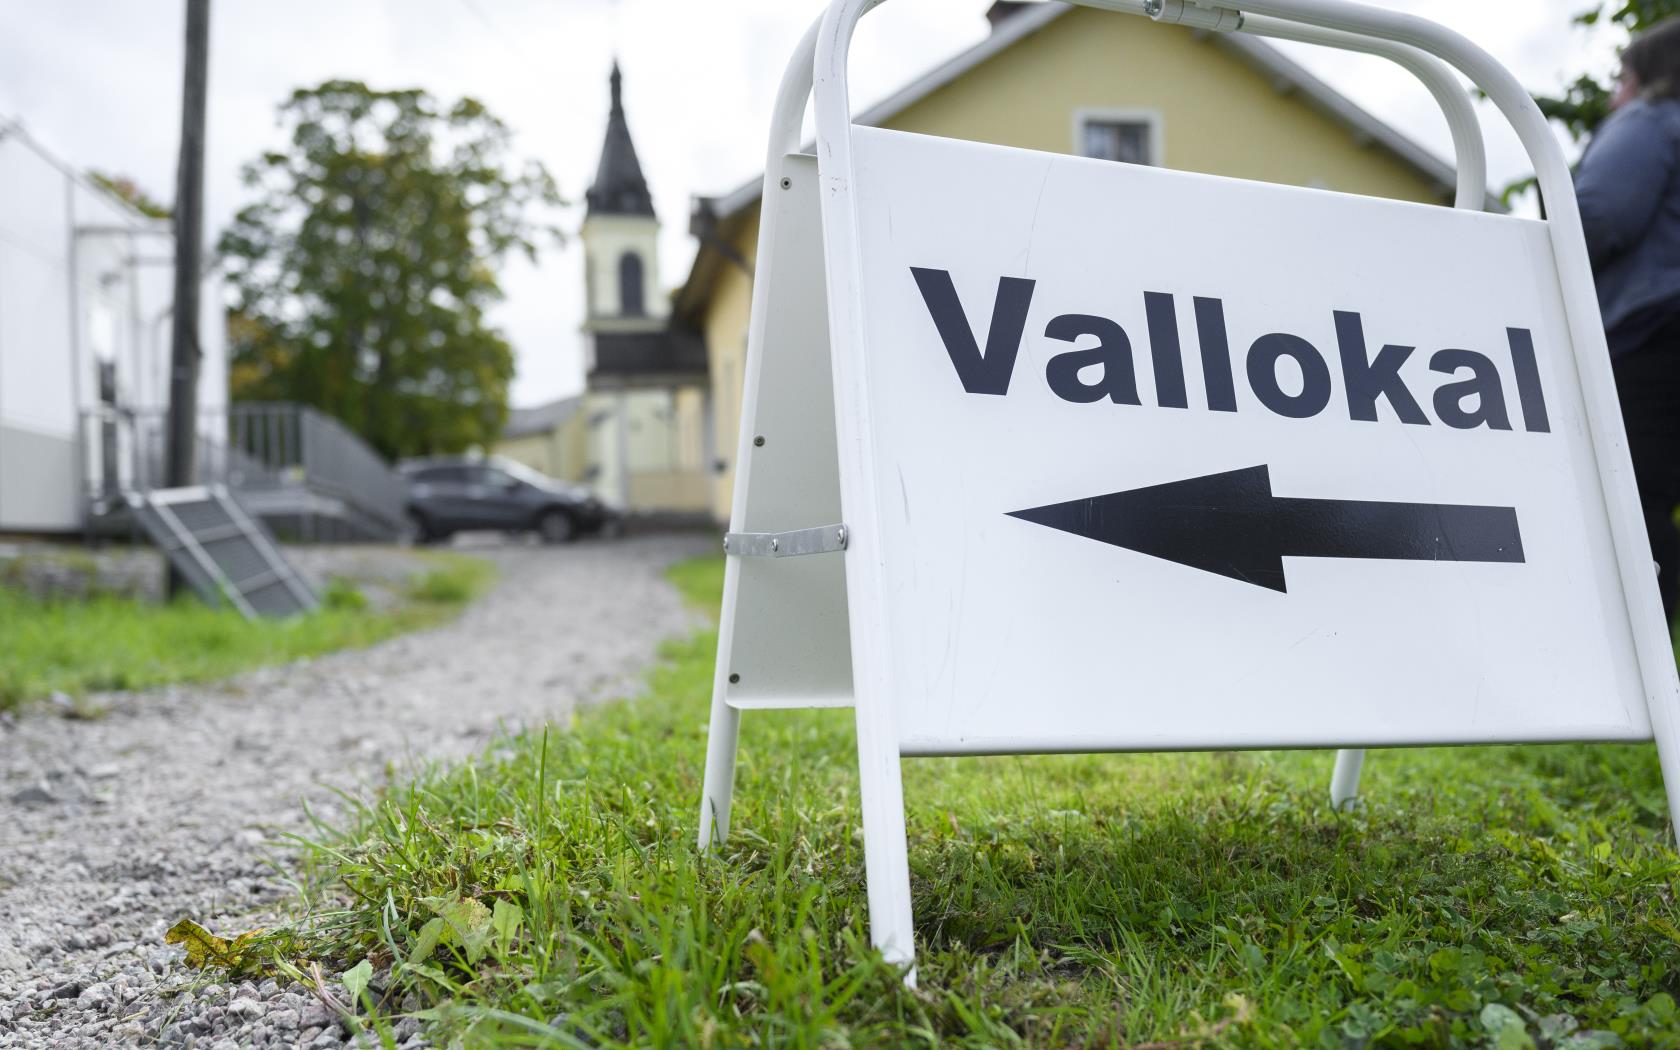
(450, 495)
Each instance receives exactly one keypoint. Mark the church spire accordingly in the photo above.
(619, 187)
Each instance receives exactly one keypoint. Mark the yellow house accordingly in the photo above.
(1073, 80)
(551, 439)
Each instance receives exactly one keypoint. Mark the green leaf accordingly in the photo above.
(1352, 969)
(1507, 1028)
(469, 921)
(356, 980)
(505, 919)
(426, 942)
(1591, 1041)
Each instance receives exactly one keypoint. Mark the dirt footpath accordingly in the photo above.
(111, 830)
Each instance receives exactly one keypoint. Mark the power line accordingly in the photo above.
(489, 23)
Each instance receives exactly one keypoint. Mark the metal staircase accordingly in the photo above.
(224, 553)
(305, 474)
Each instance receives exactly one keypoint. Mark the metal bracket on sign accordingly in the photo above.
(824, 539)
(1197, 14)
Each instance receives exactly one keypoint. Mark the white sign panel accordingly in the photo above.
(1171, 461)
(1132, 459)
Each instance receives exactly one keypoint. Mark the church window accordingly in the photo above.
(630, 285)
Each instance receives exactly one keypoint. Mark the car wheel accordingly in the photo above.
(555, 526)
(419, 529)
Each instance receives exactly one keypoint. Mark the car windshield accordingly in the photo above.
(522, 472)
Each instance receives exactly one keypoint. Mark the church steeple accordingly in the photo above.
(619, 187)
(620, 234)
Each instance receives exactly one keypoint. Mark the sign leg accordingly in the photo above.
(1344, 780)
(719, 786)
(886, 856)
(1665, 729)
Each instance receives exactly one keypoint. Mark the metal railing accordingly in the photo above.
(263, 451)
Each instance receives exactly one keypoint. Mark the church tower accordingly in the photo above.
(647, 400)
(620, 234)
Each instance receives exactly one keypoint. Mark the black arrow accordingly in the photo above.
(1232, 525)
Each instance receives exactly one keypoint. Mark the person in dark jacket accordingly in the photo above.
(1628, 185)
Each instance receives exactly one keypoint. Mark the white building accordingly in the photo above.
(85, 288)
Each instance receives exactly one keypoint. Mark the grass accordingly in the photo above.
(116, 642)
(549, 894)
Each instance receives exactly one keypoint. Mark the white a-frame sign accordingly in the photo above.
(1047, 454)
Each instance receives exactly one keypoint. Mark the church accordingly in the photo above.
(645, 425)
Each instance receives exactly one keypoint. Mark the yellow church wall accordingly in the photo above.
(1218, 115)
(725, 329)
(663, 440)
(688, 411)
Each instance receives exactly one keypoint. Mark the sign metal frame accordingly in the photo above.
(800, 466)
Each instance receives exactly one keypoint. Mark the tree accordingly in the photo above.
(1586, 101)
(363, 272)
(130, 193)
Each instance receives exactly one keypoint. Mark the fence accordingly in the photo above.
(286, 460)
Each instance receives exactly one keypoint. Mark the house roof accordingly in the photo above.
(541, 418)
(619, 187)
(1029, 19)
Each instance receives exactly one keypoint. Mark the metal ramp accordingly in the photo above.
(223, 552)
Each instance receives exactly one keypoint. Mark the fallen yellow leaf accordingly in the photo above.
(206, 949)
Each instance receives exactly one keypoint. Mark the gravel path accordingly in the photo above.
(111, 830)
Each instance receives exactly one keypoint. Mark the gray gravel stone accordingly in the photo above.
(95, 997)
(246, 1009)
(33, 795)
(146, 808)
(316, 1015)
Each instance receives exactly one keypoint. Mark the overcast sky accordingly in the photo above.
(98, 83)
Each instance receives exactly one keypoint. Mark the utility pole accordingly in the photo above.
(189, 236)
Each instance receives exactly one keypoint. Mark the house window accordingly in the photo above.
(1131, 138)
(630, 285)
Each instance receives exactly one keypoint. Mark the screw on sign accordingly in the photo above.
(1102, 457)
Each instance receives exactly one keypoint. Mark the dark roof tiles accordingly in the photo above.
(620, 188)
